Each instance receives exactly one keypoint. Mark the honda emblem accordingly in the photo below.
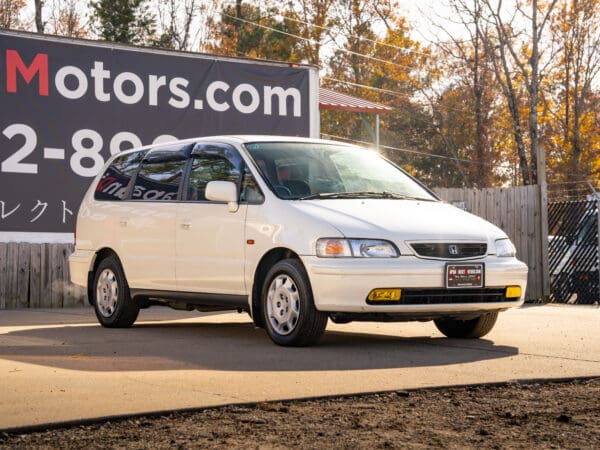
(453, 249)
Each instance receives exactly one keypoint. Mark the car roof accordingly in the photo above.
(232, 139)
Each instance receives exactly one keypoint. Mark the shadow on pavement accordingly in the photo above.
(231, 347)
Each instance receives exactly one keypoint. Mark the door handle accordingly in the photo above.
(186, 225)
(123, 221)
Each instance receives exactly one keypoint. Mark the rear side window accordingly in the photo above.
(159, 177)
(114, 182)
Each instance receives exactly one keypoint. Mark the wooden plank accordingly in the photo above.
(543, 236)
(491, 196)
(12, 267)
(481, 212)
(526, 217)
(512, 229)
(441, 193)
(3, 274)
(472, 201)
(23, 275)
(533, 250)
(56, 276)
(45, 277)
(70, 297)
(35, 280)
(502, 213)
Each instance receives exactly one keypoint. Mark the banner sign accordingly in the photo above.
(67, 105)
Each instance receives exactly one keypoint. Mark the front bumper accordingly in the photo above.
(342, 285)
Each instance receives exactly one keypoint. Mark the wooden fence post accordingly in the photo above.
(3, 274)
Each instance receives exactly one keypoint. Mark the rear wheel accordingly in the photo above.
(473, 328)
(112, 302)
(290, 316)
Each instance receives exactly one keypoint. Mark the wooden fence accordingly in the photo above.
(518, 212)
(37, 276)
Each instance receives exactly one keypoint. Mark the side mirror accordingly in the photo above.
(223, 191)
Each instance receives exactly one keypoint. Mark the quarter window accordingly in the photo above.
(251, 193)
(113, 184)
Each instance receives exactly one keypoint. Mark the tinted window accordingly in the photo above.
(114, 182)
(209, 167)
(159, 177)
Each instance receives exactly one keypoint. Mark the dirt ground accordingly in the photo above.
(538, 415)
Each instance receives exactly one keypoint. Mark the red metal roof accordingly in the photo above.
(329, 99)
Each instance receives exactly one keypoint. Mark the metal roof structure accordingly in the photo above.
(329, 99)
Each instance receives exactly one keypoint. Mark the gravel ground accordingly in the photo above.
(538, 415)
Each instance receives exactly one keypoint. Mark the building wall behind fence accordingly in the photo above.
(517, 211)
(37, 276)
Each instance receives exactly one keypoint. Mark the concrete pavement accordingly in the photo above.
(60, 365)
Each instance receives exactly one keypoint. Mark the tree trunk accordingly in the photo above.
(533, 94)
(39, 25)
(478, 93)
(238, 14)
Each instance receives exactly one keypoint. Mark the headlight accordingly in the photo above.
(505, 248)
(355, 248)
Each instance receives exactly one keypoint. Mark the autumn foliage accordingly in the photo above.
(472, 108)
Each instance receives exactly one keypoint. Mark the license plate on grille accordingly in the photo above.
(464, 275)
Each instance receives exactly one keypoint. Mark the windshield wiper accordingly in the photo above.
(366, 194)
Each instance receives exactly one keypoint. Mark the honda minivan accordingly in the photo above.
(293, 231)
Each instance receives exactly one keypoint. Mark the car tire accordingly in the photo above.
(113, 304)
(467, 329)
(288, 309)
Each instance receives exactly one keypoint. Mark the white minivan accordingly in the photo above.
(292, 230)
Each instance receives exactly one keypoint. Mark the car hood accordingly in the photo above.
(401, 221)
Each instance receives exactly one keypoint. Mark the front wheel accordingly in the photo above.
(473, 328)
(290, 316)
(112, 302)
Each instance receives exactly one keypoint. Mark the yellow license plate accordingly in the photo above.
(384, 295)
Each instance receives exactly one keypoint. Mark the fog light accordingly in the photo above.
(513, 292)
(384, 295)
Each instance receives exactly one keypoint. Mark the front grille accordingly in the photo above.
(412, 296)
(449, 250)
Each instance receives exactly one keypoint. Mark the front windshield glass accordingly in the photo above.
(302, 170)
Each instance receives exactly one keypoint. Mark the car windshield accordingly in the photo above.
(306, 171)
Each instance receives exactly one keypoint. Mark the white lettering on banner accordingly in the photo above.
(74, 72)
(120, 138)
(282, 96)
(237, 98)
(65, 211)
(99, 75)
(38, 205)
(138, 91)
(130, 88)
(182, 98)
(38, 210)
(86, 152)
(210, 95)
(154, 84)
(85, 161)
(4, 215)
(13, 162)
